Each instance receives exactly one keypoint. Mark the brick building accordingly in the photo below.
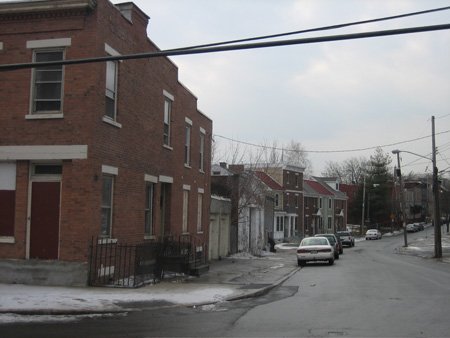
(115, 150)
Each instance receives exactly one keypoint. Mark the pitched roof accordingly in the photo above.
(317, 187)
(269, 181)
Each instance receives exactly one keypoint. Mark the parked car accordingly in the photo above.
(313, 249)
(347, 238)
(421, 226)
(333, 241)
(413, 227)
(340, 244)
(373, 234)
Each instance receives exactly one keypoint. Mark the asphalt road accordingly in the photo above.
(369, 292)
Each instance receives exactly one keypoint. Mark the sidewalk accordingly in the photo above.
(238, 277)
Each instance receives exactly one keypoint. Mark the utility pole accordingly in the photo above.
(437, 213)
(363, 206)
(402, 199)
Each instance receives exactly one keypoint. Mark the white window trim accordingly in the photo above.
(49, 43)
(111, 122)
(188, 121)
(201, 190)
(106, 169)
(168, 95)
(165, 179)
(186, 187)
(111, 51)
(150, 178)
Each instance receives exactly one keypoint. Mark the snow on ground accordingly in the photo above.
(16, 297)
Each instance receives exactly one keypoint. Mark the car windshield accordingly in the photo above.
(314, 241)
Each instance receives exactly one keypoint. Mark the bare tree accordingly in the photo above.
(350, 171)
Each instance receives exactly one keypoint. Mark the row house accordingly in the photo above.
(288, 215)
(325, 206)
(114, 150)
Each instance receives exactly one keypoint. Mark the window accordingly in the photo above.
(320, 202)
(306, 203)
(329, 203)
(296, 201)
(296, 180)
(330, 219)
(287, 199)
(280, 223)
(187, 145)
(47, 83)
(167, 112)
(185, 210)
(107, 196)
(149, 194)
(200, 212)
(287, 177)
(296, 223)
(277, 200)
(202, 151)
(111, 89)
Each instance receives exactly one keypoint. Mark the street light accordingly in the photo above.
(437, 228)
(402, 199)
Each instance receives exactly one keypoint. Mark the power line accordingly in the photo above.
(330, 151)
(190, 51)
(318, 29)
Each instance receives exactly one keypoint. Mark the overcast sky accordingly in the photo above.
(329, 96)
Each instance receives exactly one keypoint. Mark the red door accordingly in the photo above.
(44, 228)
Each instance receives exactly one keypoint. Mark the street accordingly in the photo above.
(370, 291)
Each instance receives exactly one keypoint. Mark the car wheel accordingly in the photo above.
(330, 261)
(301, 263)
(341, 251)
(336, 256)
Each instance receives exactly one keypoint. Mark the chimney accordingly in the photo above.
(223, 165)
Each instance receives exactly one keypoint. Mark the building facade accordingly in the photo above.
(112, 150)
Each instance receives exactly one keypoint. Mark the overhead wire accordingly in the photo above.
(318, 29)
(332, 151)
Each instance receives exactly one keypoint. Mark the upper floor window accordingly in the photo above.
(111, 89)
(329, 203)
(202, 151)
(320, 202)
(187, 144)
(296, 180)
(47, 83)
(167, 113)
(287, 177)
(277, 200)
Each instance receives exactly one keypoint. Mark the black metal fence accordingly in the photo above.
(124, 265)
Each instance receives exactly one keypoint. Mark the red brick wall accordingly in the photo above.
(135, 149)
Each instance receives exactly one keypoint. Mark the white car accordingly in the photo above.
(373, 234)
(313, 249)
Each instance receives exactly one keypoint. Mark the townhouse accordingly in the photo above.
(104, 152)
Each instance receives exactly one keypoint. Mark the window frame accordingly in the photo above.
(106, 231)
(149, 225)
(202, 151)
(46, 113)
(184, 226)
(200, 199)
(113, 96)
(187, 145)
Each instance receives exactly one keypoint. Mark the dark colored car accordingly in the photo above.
(333, 241)
(340, 244)
(347, 238)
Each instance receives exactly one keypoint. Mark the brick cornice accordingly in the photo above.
(45, 9)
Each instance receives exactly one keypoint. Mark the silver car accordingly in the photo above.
(313, 249)
(373, 234)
